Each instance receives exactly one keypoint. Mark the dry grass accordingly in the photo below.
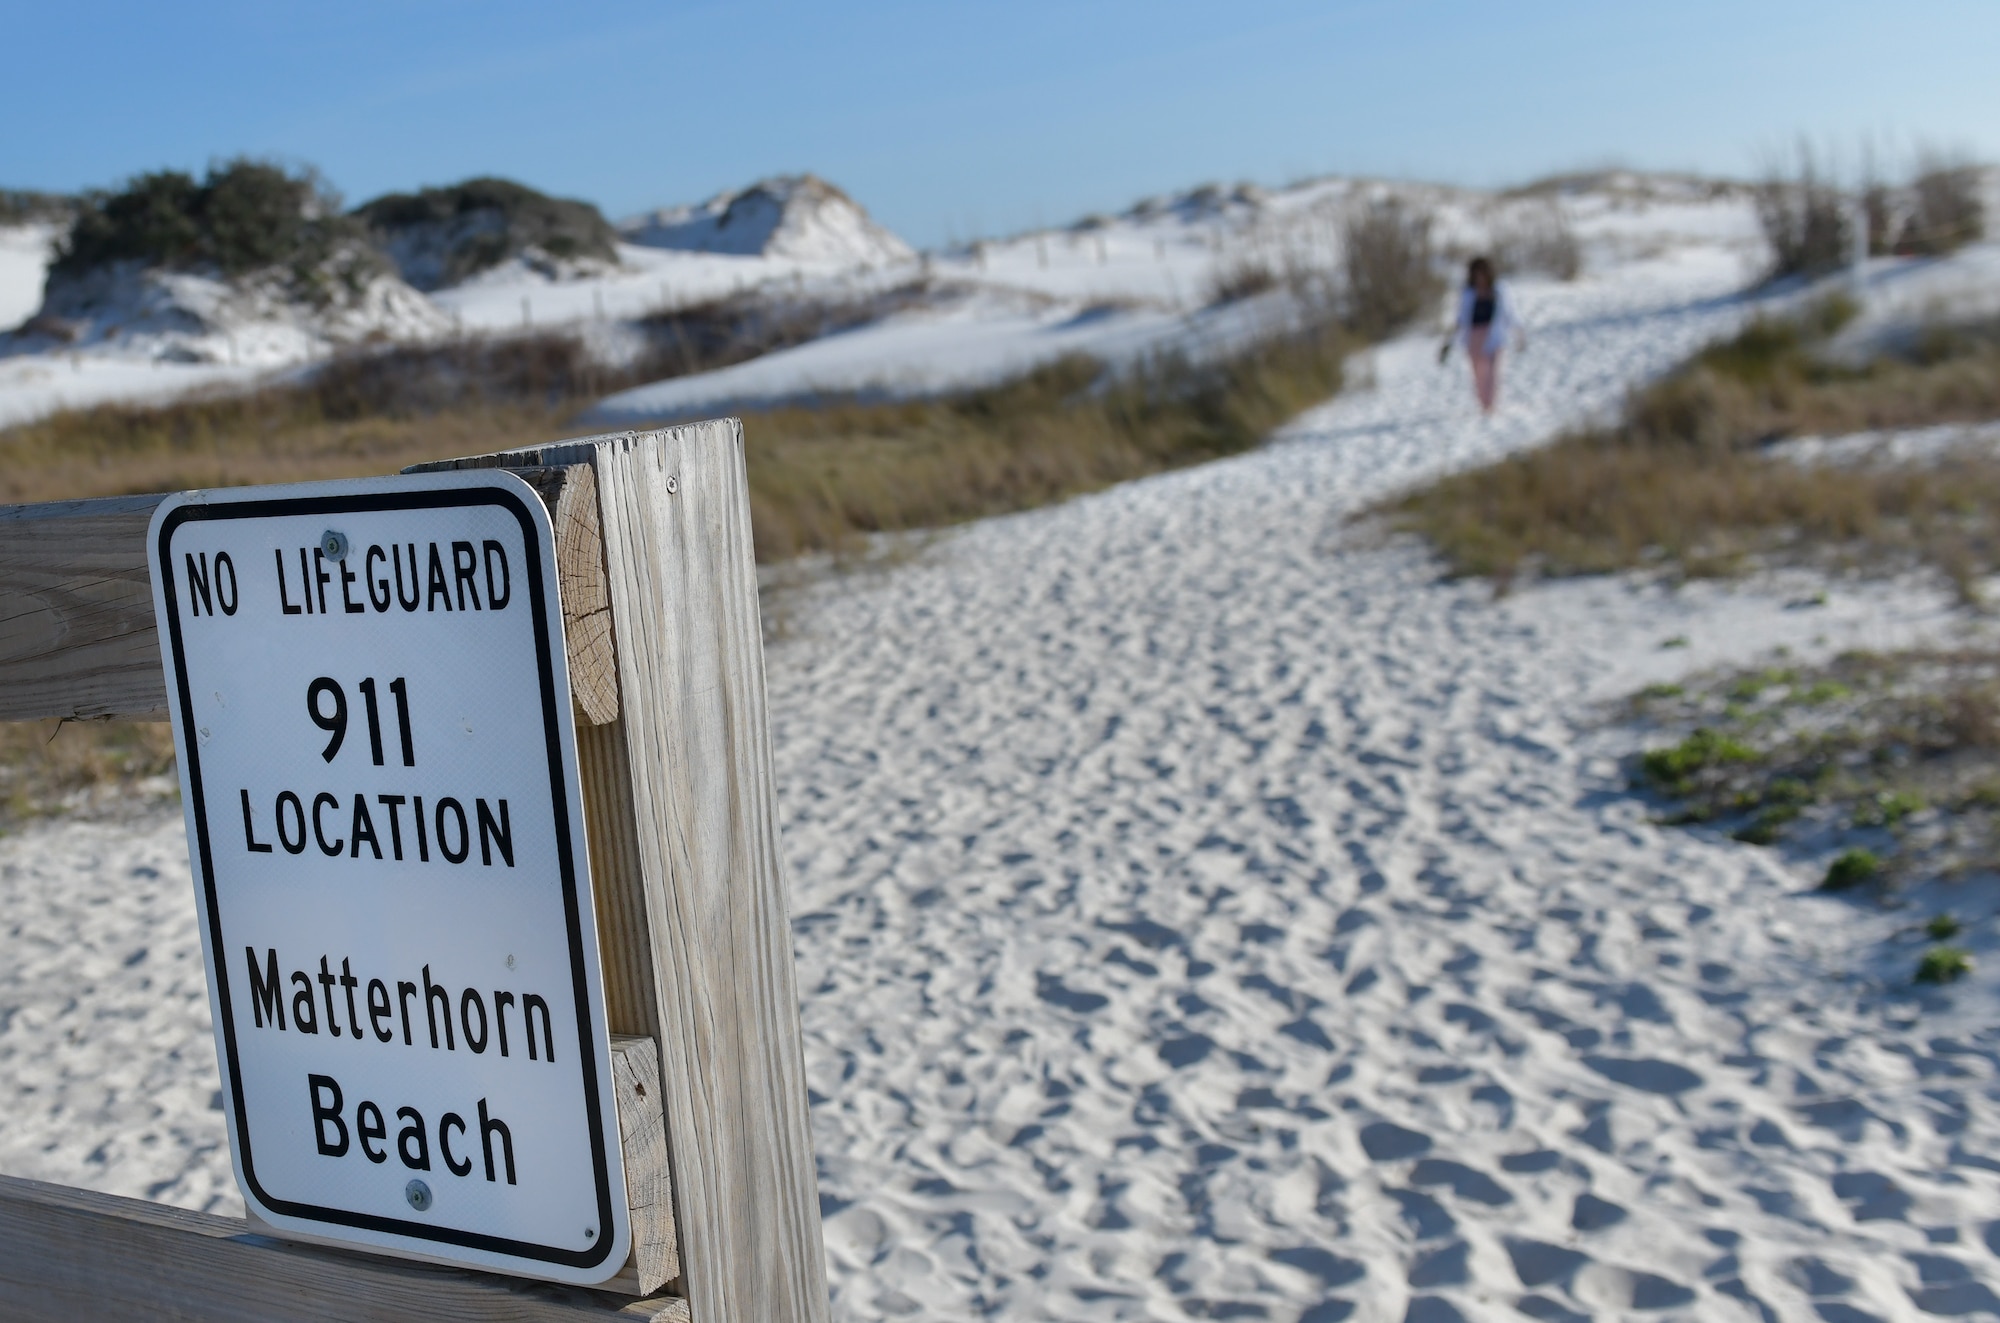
(83, 766)
(1803, 215)
(1946, 208)
(118, 449)
(820, 478)
(1243, 276)
(1686, 480)
(1807, 215)
(1596, 503)
(717, 332)
(1537, 239)
(375, 411)
(367, 414)
(1390, 268)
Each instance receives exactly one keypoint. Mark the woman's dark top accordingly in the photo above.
(1482, 311)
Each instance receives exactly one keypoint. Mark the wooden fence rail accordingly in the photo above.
(77, 637)
(660, 608)
(77, 1254)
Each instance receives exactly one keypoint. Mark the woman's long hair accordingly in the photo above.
(1476, 268)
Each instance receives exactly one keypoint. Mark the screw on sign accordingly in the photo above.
(369, 693)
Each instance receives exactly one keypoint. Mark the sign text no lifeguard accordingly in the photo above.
(371, 704)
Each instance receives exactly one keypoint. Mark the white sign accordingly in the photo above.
(371, 704)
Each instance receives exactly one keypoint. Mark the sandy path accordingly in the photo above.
(1201, 915)
(1202, 918)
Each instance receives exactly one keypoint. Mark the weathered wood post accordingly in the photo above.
(684, 845)
(665, 655)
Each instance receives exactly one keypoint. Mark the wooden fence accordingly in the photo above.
(659, 595)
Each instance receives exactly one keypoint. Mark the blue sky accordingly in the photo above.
(949, 119)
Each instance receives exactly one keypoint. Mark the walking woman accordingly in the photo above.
(1485, 322)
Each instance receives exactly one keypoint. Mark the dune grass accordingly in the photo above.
(821, 478)
(1893, 756)
(82, 767)
(1687, 479)
(1943, 964)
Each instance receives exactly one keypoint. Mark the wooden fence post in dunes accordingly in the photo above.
(684, 848)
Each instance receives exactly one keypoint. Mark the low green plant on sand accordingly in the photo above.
(1851, 869)
(1944, 964)
(1674, 768)
(1897, 752)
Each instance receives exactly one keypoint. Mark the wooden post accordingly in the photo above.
(684, 852)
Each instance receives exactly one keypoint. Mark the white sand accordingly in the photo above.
(107, 1063)
(1205, 913)
(1200, 918)
(25, 251)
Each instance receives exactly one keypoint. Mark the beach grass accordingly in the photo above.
(1892, 759)
(1689, 481)
(822, 478)
(83, 767)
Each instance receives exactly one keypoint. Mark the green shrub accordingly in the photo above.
(256, 215)
(467, 227)
(155, 219)
(1943, 927)
(1947, 211)
(243, 216)
(1768, 825)
(1752, 686)
(1851, 869)
(1788, 791)
(1672, 768)
(1387, 257)
(1944, 964)
(1803, 216)
(1888, 808)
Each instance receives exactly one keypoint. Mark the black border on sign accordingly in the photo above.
(435, 498)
